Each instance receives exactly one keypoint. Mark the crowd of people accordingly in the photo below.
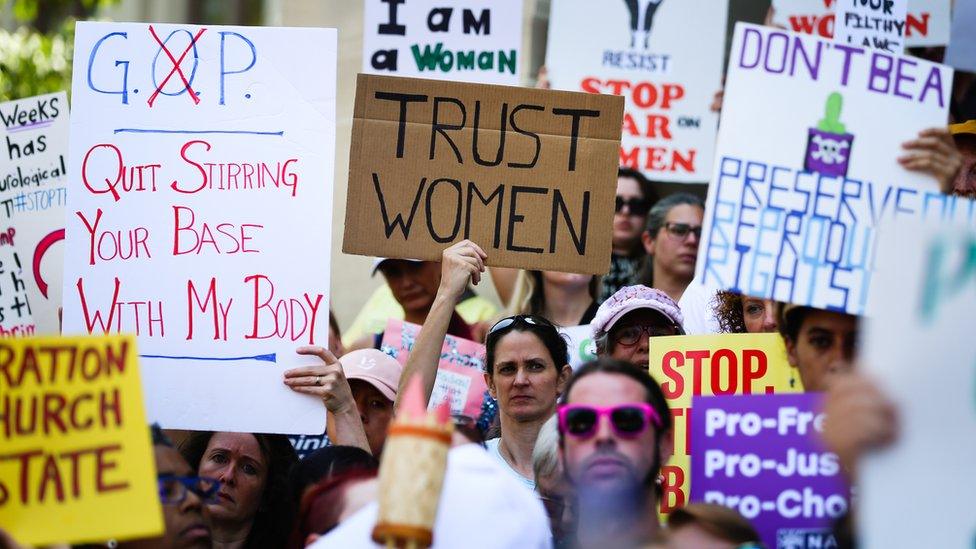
(564, 457)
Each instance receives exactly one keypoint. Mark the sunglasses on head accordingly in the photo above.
(527, 319)
(636, 206)
(627, 420)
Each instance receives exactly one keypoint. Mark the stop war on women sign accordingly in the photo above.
(75, 449)
(762, 456)
(805, 177)
(199, 213)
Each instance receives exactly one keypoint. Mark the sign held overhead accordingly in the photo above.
(528, 174)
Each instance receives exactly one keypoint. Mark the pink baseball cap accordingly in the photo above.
(632, 298)
(374, 367)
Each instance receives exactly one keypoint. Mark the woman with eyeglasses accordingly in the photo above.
(527, 363)
(624, 324)
(674, 228)
(253, 507)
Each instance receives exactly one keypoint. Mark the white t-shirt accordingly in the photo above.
(481, 507)
(495, 452)
(697, 310)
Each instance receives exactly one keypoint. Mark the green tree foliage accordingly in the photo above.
(36, 57)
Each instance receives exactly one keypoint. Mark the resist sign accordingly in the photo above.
(528, 174)
(804, 178)
(75, 449)
(728, 364)
(762, 456)
(203, 160)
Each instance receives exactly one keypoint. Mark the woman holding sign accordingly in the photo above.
(526, 362)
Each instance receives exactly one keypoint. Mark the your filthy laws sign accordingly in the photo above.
(528, 174)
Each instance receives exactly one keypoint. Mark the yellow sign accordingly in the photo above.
(76, 457)
(725, 364)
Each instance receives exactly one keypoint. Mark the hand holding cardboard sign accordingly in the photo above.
(933, 152)
(462, 261)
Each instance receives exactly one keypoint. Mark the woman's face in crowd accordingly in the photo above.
(569, 281)
(824, 347)
(525, 380)
(627, 227)
(414, 285)
(676, 255)
(187, 522)
(759, 315)
(375, 410)
(644, 321)
(236, 460)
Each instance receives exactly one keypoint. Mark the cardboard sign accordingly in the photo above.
(15, 312)
(200, 214)
(729, 364)
(665, 58)
(75, 449)
(878, 24)
(961, 52)
(460, 372)
(582, 348)
(763, 457)
(470, 41)
(919, 342)
(803, 177)
(528, 174)
(926, 21)
(32, 198)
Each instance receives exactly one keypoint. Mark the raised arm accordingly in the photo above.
(460, 263)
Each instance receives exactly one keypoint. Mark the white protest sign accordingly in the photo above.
(665, 58)
(876, 24)
(961, 52)
(32, 198)
(803, 177)
(919, 348)
(926, 22)
(463, 40)
(15, 313)
(201, 210)
(579, 340)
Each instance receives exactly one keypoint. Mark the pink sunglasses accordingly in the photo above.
(628, 420)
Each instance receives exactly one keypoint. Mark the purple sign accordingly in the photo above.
(762, 456)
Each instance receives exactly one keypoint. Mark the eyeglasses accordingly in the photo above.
(173, 489)
(528, 319)
(627, 420)
(682, 230)
(636, 206)
(631, 335)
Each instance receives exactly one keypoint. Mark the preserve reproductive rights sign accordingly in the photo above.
(199, 212)
(804, 177)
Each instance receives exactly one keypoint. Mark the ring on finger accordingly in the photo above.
(318, 380)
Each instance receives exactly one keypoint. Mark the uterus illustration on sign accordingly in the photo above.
(828, 150)
(641, 20)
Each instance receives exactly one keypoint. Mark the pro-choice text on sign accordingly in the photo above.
(729, 364)
(804, 177)
(75, 450)
(528, 174)
(203, 161)
(762, 456)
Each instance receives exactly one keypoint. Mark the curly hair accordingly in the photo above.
(728, 310)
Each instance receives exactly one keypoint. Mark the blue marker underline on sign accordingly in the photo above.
(159, 130)
(34, 126)
(265, 358)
